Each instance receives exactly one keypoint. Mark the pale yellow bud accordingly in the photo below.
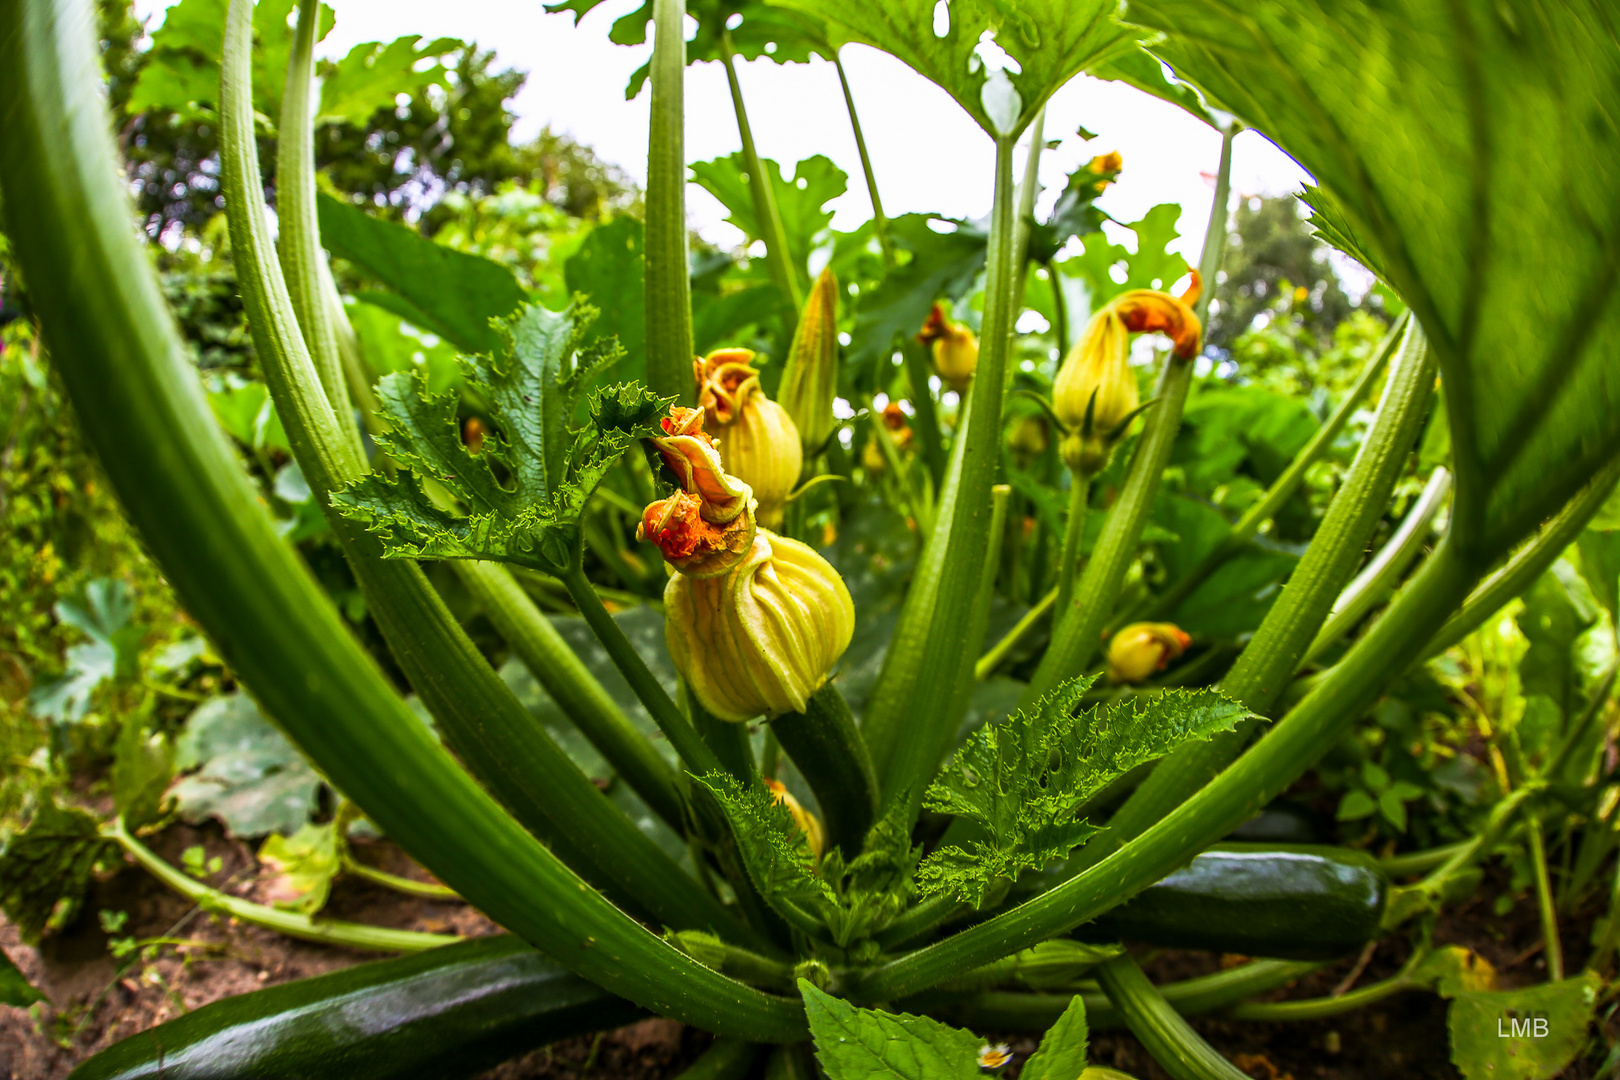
(955, 348)
(807, 822)
(757, 440)
(1095, 392)
(810, 379)
(761, 638)
(1141, 649)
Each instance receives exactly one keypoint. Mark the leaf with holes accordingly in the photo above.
(1025, 781)
(1048, 41)
(1468, 153)
(523, 491)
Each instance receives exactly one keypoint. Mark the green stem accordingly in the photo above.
(918, 920)
(726, 1059)
(1000, 1010)
(1060, 311)
(729, 741)
(1553, 948)
(301, 254)
(1527, 564)
(1605, 948)
(1074, 534)
(1430, 891)
(1174, 1044)
(1028, 188)
(992, 659)
(668, 278)
(576, 691)
(1266, 665)
(979, 624)
(1323, 1007)
(1075, 637)
(1417, 862)
(880, 223)
(913, 712)
(410, 886)
(1577, 733)
(761, 187)
(926, 426)
(504, 745)
(1283, 488)
(824, 743)
(1234, 796)
(1383, 571)
(691, 748)
(326, 931)
(136, 394)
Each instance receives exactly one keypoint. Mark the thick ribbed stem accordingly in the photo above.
(824, 743)
(668, 279)
(1170, 1039)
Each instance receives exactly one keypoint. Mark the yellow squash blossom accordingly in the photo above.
(1141, 649)
(955, 348)
(756, 437)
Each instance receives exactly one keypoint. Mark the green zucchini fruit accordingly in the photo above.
(1282, 901)
(447, 1012)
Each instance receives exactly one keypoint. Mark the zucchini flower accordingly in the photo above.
(762, 637)
(708, 526)
(894, 421)
(1141, 649)
(1107, 167)
(810, 378)
(807, 822)
(954, 346)
(1095, 393)
(755, 436)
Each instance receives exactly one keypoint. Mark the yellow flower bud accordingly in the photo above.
(1095, 392)
(755, 436)
(955, 348)
(763, 637)
(810, 378)
(1141, 649)
(1107, 166)
(807, 822)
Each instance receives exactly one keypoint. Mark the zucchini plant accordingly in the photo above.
(929, 875)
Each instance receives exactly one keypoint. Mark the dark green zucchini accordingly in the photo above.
(448, 1012)
(1284, 901)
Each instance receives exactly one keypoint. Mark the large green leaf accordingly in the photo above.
(1528, 1034)
(608, 268)
(46, 869)
(757, 30)
(1024, 782)
(1468, 153)
(1049, 41)
(853, 1043)
(941, 263)
(372, 74)
(523, 491)
(452, 293)
(248, 774)
(801, 201)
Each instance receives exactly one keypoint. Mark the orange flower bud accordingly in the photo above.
(1095, 392)
(955, 348)
(1141, 649)
(693, 545)
(807, 822)
(755, 436)
(692, 455)
(761, 638)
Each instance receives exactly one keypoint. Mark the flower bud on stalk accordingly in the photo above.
(754, 628)
(1107, 167)
(1141, 649)
(894, 421)
(955, 348)
(810, 379)
(807, 822)
(755, 436)
(1095, 393)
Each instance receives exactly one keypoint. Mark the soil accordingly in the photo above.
(97, 1000)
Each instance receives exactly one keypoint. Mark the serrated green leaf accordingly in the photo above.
(773, 849)
(1468, 153)
(1554, 1018)
(248, 774)
(15, 989)
(866, 1044)
(1062, 1053)
(49, 863)
(102, 613)
(1074, 214)
(941, 263)
(1050, 41)
(301, 867)
(1023, 781)
(452, 293)
(372, 74)
(523, 492)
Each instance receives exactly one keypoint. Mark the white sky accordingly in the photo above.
(927, 154)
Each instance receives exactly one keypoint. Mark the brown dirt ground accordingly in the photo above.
(95, 1003)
